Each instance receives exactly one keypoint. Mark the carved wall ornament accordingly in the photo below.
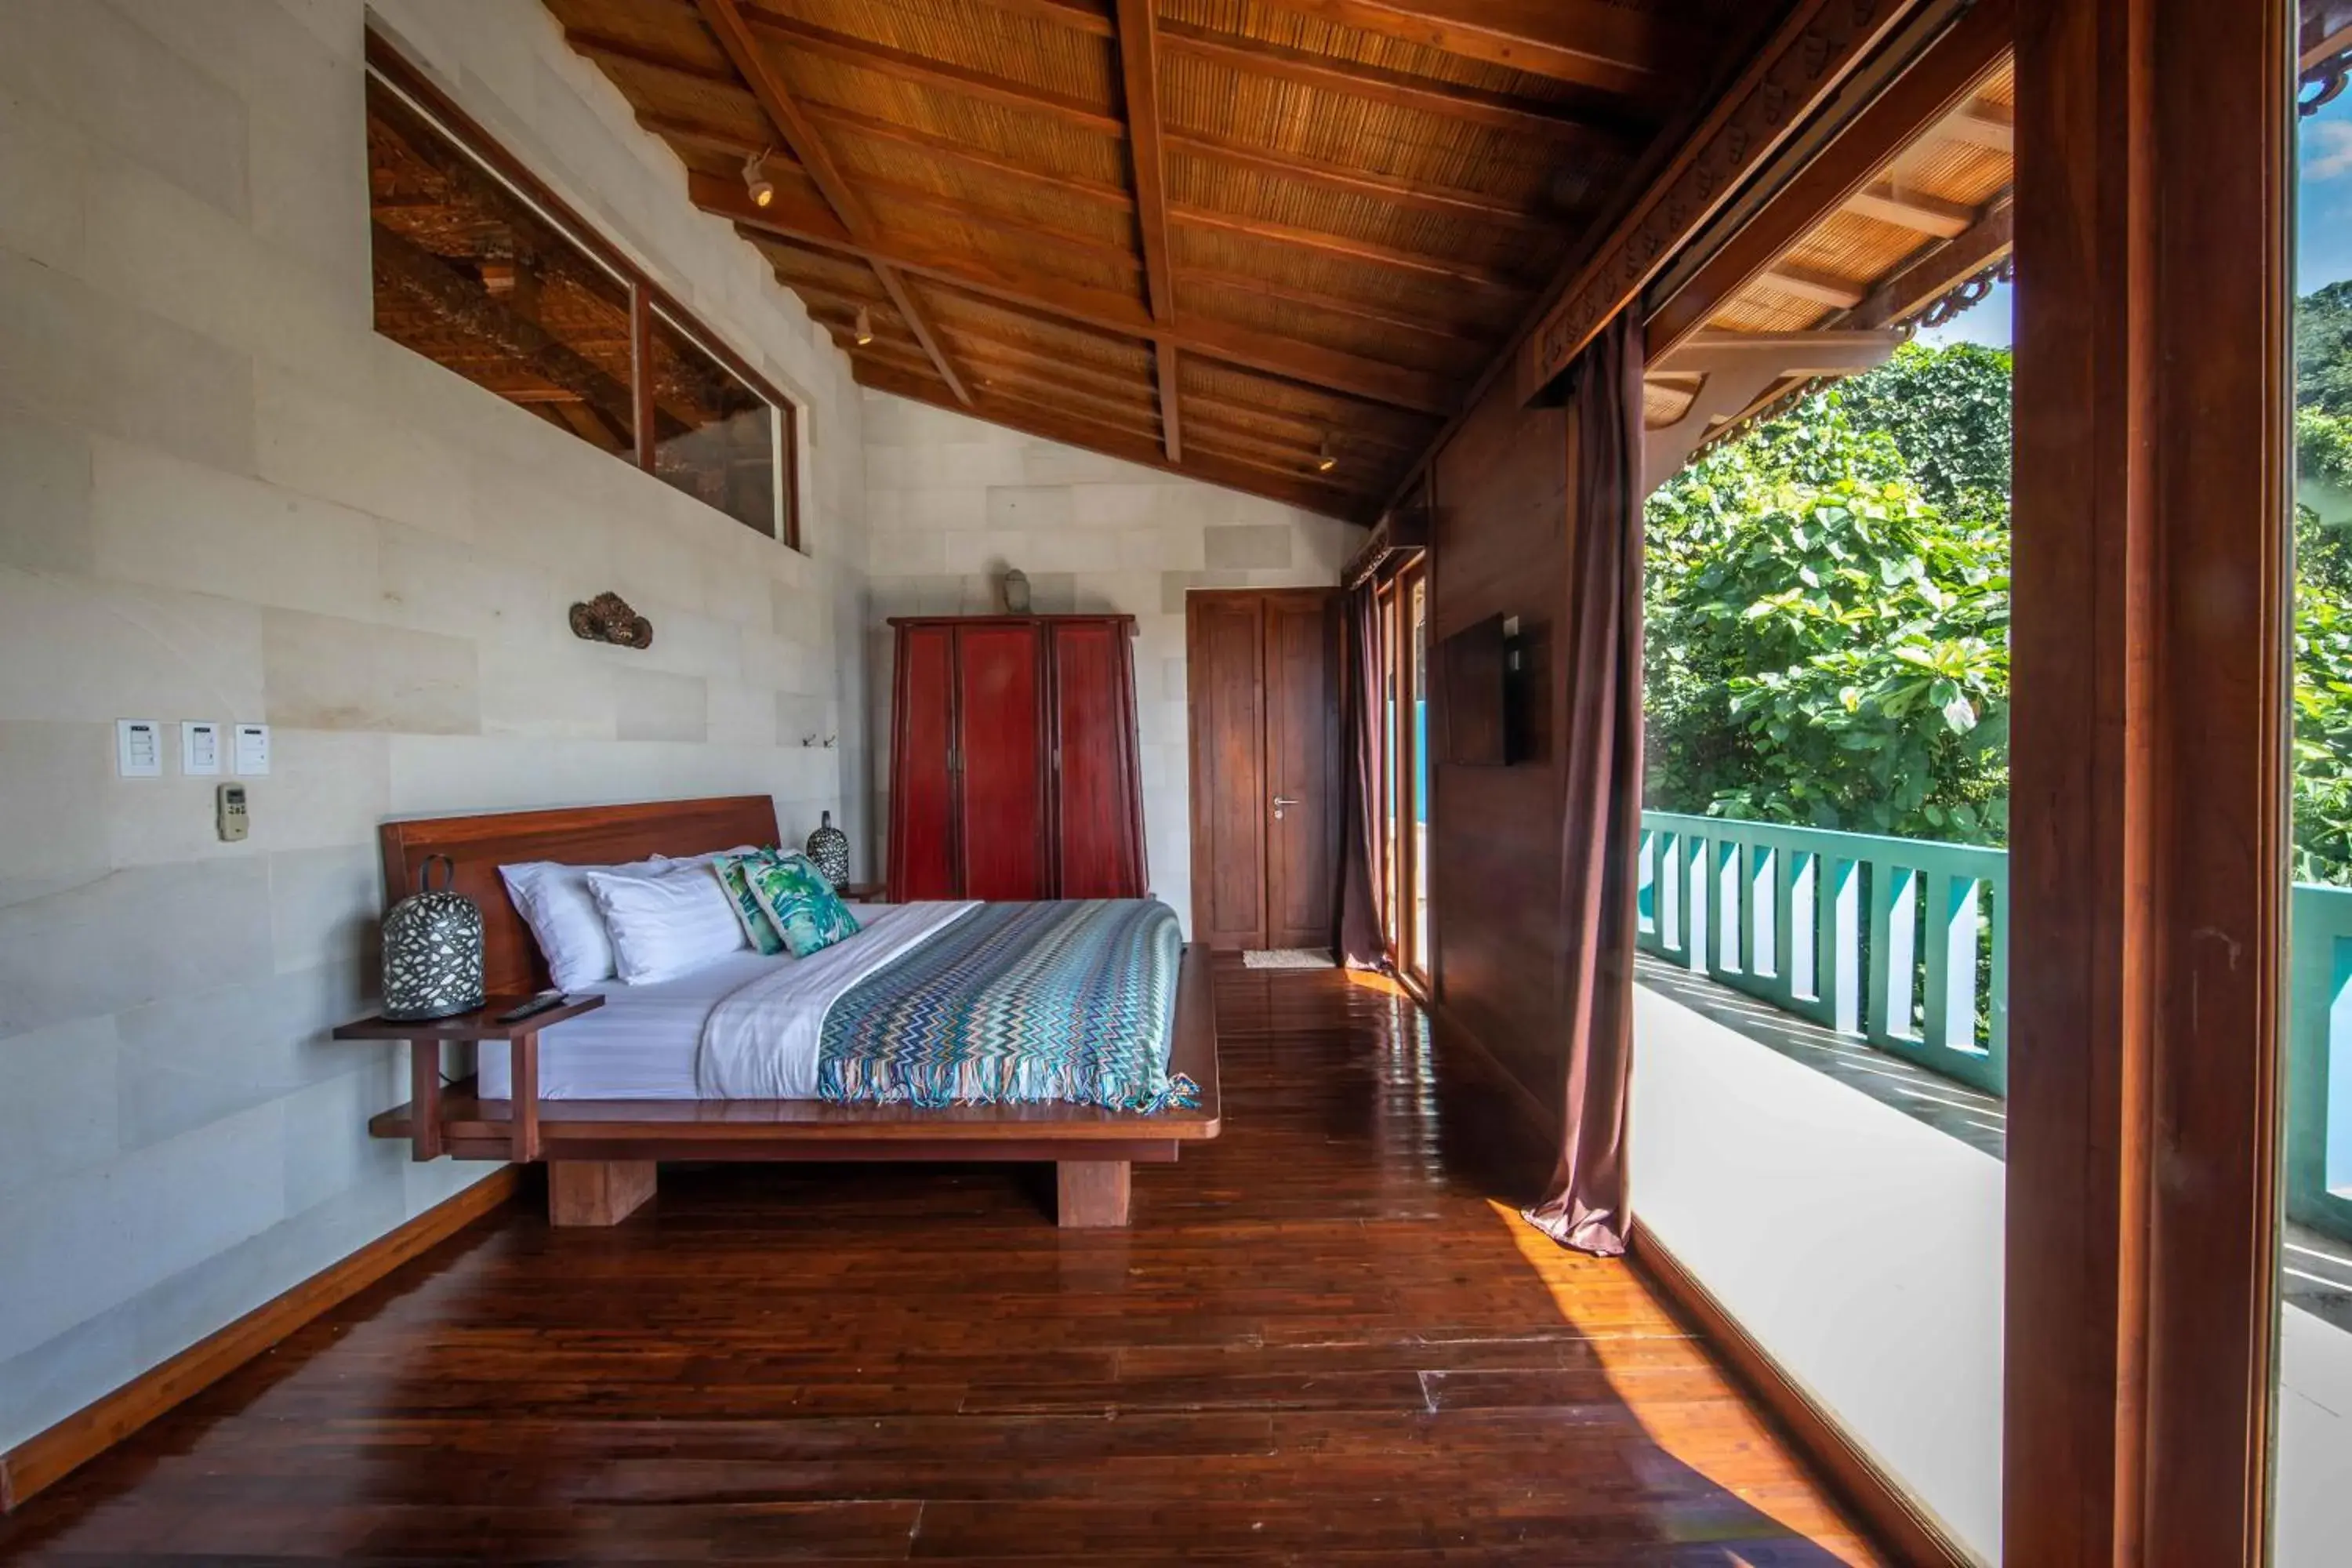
(608, 618)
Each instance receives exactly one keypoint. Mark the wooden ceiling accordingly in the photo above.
(1268, 246)
(1902, 212)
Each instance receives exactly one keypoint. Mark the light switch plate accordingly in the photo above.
(252, 750)
(139, 748)
(200, 746)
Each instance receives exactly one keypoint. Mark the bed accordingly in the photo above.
(611, 1093)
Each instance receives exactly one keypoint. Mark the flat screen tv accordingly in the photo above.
(1476, 670)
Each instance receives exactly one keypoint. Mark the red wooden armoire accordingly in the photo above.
(1013, 773)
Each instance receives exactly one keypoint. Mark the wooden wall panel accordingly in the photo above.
(1499, 546)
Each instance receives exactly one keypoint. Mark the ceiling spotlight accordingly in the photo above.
(1326, 460)
(756, 180)
(865, 325)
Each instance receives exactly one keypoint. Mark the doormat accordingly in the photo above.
(1288, 958)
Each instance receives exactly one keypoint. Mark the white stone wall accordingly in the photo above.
(952, 502)
(222, 496)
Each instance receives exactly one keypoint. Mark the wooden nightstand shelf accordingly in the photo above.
(426, 1039)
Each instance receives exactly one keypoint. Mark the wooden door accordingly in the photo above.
(924, 862)
(1097, 839)
(1302, 764)
(1000, 761)
(1225, 663)
(1263, 672)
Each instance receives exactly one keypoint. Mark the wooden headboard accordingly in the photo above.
(576, 836)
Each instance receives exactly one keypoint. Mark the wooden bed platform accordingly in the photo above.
(601, 1155)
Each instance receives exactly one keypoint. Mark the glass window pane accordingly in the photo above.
(715, 437)
(476, 278)
(2312, 1509)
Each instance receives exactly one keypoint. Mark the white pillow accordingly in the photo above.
(555, 902)
(666, 926)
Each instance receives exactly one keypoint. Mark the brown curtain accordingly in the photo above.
(1363, 860)
(1602, 752)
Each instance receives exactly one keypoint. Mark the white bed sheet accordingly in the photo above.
(644, 1042)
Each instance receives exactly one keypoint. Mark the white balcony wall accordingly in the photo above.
(1860, 1247)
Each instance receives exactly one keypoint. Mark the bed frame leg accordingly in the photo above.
(596, 1192)
(1092, 1192)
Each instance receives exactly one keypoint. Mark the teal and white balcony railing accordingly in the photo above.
(1903, 943)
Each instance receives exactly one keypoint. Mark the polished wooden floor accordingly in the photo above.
(1322, 1342)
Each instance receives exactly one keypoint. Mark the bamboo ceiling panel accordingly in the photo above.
(1342, 209)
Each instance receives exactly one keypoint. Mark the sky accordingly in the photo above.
(2323, 219)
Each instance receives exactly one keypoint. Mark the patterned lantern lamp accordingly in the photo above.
(828, 847)
(433, 949)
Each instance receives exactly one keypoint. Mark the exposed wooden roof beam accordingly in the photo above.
(1138, 67)
(606, 49)
(1618, 50)
(1075, 13)
(1374, 380)
(1807, 283)
(922, 69)
(1991, 126)
(1448, 329)
(1426, 95)
(1912, 209)
(1422, 196)
(1926, 95)
(1461, 272)
(726, 21)
(694, 134)
(1310, 494)
(1931, 277)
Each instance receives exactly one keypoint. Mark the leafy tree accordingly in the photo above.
(1948, 411)
(1827, 646)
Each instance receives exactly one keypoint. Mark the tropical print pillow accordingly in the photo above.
(794, 895)
(733, 874)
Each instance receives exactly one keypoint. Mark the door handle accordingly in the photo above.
(1280, 801)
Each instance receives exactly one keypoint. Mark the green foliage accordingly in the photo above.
(1827, 645)
(1948, 411)
(1829, 605)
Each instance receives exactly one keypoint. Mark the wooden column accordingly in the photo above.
(2148, 856)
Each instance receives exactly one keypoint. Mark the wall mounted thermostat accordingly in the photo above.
(139, 748)
(231, 800)
(200, 747)
(252, 749)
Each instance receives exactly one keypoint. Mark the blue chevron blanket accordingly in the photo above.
(1070, 1003)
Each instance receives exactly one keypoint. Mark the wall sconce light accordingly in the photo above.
(865, 333)
(756, 180)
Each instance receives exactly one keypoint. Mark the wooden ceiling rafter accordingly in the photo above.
(725, 19)
(1324, 243)
(1576, 127)
(1139, 70)
(1937, 88)
(1005, 92)
(1421, 195)
(1374, 381)
(1308, 495)
(1585, 42)
(1040, 219)
(1889, 202)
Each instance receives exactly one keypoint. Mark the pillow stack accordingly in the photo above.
(656, 919)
